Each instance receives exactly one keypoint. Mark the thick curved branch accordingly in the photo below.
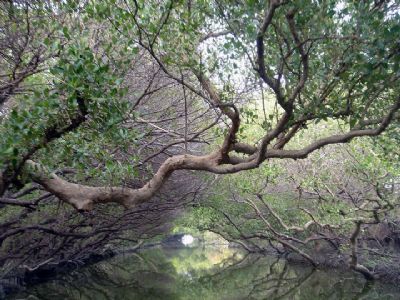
(269, 14)
(335, 139)
(211, 163)
(84, 197)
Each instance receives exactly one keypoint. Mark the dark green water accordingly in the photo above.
(205, 273)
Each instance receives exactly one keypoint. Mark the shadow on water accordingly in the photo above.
(204, 273)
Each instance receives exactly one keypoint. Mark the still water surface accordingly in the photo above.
(204, 272)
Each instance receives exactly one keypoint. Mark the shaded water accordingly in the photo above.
(204, 272)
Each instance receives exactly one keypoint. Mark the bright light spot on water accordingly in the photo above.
(187, 239)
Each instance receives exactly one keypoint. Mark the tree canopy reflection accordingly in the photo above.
(204, 273)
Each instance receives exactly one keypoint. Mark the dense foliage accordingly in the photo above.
(104, 101)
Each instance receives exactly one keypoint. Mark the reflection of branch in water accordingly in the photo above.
(93, 280)
(365, 290)
(265, 268)
(283, 281)
(85, 283)
(336, 288)
(130, 269)
(280, 279)
(266, 278)
(243, 266)
(70, 286)
(146, 261)
(235, 267)
(339, 290)
(299, 284)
